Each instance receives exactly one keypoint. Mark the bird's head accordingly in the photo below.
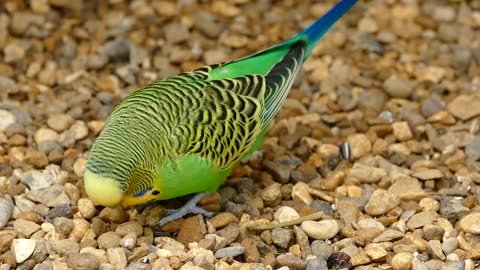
(106, 191)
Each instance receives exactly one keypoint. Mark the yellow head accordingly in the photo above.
(106, 191)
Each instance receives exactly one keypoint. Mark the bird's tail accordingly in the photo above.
(316, 30)
(262, 62)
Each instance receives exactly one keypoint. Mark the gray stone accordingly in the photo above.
(115, 49)
(281, 237)
(316, 264)
(321, 249)
(229, 252)
(473, 149)
(454, 265)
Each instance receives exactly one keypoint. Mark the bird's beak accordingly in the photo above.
(131, 201)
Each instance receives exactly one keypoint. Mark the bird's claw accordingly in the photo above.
(199, 210)
(189, 208)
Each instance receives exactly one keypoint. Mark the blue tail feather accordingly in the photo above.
(321, 26)
(262, 62)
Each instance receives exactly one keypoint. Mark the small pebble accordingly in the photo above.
(86, 208)
(281, 237)
(223, 219)
(227, 234)
(301, 192)
(430, 204)
(37, 180)
(449, 245)
(401, 130)
(251, 251)
(109, 240)
(370, 223)
(421, 219)
(375, 251)
(454, 265)
(279, 171)
(63, 224)
(22, 249)
(418, 265)
(129, 240)
(290, 261)
(6, 239)
(367, 174)
(116, 214)
(59, 122)
(360, 145)
(428, 174)
(25, 227)
(368, 25)
(465, 106)
(117, 257)
(398, 87)
(129, 227)
(13, 52)
(402, 261)
(6, 209)
(470, 223)
(321, 249)
(321, 230)
(192, 229)
(285, 213)
(43, 135)
(316, 264)
(65, 246)
(388, 235)
(229, 252)
(6, 119)
(435, 248)
(302, 242)
(381, 202)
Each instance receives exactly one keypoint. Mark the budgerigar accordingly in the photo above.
(185, 134)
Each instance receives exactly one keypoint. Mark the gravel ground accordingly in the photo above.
(398, 81)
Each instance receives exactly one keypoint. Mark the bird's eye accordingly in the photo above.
(155, 192)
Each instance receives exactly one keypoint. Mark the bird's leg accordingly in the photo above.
(189, 208)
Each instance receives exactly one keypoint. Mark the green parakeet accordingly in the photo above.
(184, 134)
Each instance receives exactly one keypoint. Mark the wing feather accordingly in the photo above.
(227, 120)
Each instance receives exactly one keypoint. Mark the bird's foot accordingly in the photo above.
(189, 208)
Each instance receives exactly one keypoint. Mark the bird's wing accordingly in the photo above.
(226, 119)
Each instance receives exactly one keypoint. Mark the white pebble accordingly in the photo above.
(370, 223)
(22, 249)
(117, 257)
(321, 230)
(36, 180)
(285, 214)
(164, 253)
(45, 134)
(6, 119)
(79, 129)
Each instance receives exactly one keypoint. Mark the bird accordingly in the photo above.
(185, 134)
